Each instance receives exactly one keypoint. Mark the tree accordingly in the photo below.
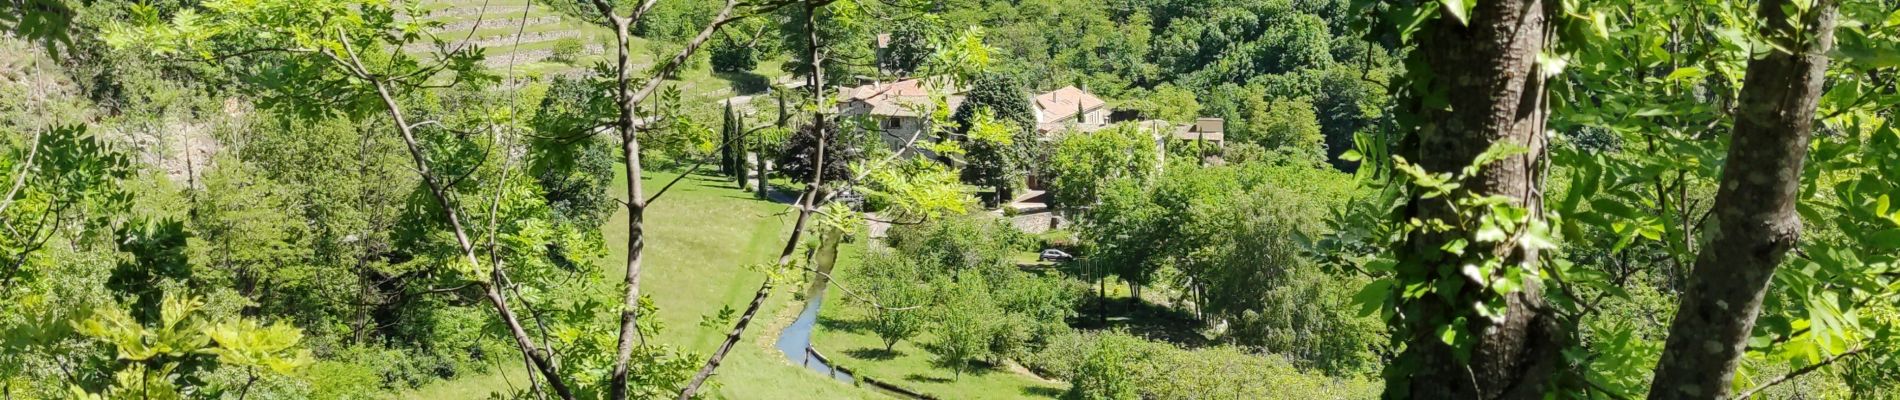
(1084, 163)
(994, 156)
(1284, 124)
(964, 323)
(567, 50)
(996, 122)
(1003, 97)
(801, 155)
(574, 169)
(1479, 112)
(842, 30)
(1106, 374)
(913, 42)
(731, 56)
(241, 229)
(1755, 210)
(895, 283)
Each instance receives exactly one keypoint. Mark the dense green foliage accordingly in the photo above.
(343, 199)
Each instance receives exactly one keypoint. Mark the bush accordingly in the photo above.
(1117, 365)
(567, 50)
(1107, 372)
(730, 56)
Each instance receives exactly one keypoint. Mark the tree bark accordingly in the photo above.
(1756, 222)
(1489, 73)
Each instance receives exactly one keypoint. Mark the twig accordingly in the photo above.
(855, 295)
(1797, 373)
(26, 166)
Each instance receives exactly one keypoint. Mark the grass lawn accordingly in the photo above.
(701, 235)
(909, 365)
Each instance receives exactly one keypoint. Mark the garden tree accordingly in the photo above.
(955, 244)
(1755, 211)
(1106, 372)
(567, 50)
(1282, 124)
(730, 55)
(736, 145)
(1116, 231)
(241, 232)
(767, 143)
(800, 155)
(965, 322)
(996, 127)
(1167, 102)
(844, 40)
(995, 155)
(1117, 364)
(912, 43)
(1082, 164)
(726, 160)
(1003, 97)
(896, 283)
(573, 169)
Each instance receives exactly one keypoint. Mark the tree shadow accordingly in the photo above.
(873, 353)
(928, 379)
(1042, 391)
(745, 83)
(1141, 318)
(841, 324)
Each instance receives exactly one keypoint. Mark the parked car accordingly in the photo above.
(1056, 255)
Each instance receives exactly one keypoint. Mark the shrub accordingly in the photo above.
(567, 50)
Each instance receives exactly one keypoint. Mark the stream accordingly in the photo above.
(797, 337)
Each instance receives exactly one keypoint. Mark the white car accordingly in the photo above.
(1056, 255)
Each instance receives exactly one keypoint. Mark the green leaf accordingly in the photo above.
(1888, 238)
(1686, 73)
(1459, 9)
(1600, 24)
(1373, 296)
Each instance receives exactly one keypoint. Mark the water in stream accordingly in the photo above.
(797, 337)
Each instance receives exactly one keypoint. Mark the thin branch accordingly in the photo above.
(26, 166)
(700, 163)
(847, 291)
(804, 210)
(445, 199)
(1797, 373)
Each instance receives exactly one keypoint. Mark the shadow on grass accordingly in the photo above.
(923, 378)
(1143, 319)
(1042, 391)
(873, 353)
(841, 324)
(745, 83)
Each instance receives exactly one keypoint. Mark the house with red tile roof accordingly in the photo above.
(1070, 107)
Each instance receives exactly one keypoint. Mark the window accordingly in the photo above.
(892, 123)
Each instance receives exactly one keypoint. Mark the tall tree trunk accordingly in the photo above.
(1495, 94)
(1756, 223)
(636, 213)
